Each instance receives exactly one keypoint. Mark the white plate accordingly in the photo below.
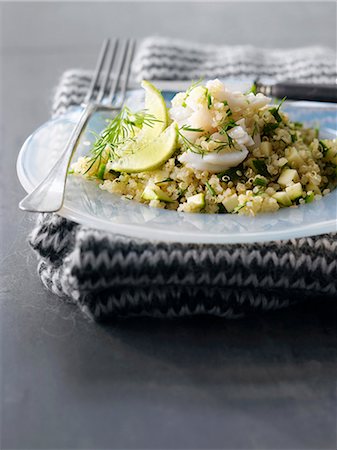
(85, 203)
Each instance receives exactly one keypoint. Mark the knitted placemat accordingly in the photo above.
(109, 275)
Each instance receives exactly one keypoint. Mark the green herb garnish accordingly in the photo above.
(193, 85)
(260, 182)
(225, 128)
(269, 128)
(261, 168)
(237, 209)
(209, 100)
(222, 209)
(101, 171)
(188, 128)
(253, 89)
(233, 174)
(228, 126)
(275, 111)
(188, 144)
(121, 129)
(210, 189)
(298, 124)
(166, 180)
(324, 147)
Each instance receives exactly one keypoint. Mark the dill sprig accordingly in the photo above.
(210, 189)
(253, 88)
(222, 145)
(193, 85)
(269, 128)
(228, 111)
(275, 111)
(166, 180)
(195, 148)
(209, 100)
(120, 130)
(187, 143)
(227, 126)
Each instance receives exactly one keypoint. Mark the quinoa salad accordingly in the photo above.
(213, 151)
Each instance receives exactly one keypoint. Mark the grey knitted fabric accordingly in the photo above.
(109, 275)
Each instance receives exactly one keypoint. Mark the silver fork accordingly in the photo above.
(48, 196)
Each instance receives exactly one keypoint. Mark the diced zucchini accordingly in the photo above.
(196, 202)
(313, 187)
(96, 168)
(101, 170)
(288, 177)
(266, 148)
(282, 198)
(294, 191)
(309, 197)
(294, 158)
(155, 193)
(230, 203)
(331, 156)
(260, 167)
(282, 162)
(260, 181)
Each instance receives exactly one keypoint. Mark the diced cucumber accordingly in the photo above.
(196, 202)
(260, 167)
(287, 177)
(155, 193)
(309, 197)
(95, 167)
(230, 203)
(101, 170)
(313, 187)
(282, 198)
(294, 191)
(266, 148)
(331, 156)
(294, 158)
(260, 181)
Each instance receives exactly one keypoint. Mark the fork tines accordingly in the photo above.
(112, 73)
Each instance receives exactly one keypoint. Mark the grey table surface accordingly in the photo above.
(264, 382)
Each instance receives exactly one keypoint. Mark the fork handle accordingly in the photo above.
(48, 196)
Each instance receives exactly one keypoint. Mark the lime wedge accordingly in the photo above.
(155, 105)
(154, 144)
(147, 154)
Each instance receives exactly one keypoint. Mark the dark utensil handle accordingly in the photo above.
(300, 91)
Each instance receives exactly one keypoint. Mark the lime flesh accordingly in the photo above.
(154, 144)
(154, 105)
(147, 154)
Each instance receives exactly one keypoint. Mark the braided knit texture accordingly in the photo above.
(109, 275)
